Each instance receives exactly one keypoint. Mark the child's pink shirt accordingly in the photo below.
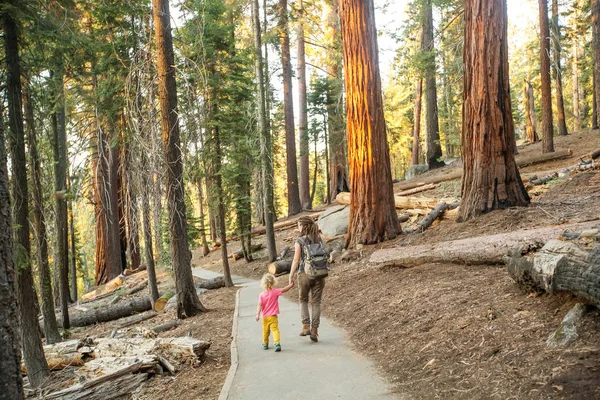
(270, 302)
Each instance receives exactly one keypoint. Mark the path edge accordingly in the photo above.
(234, 351)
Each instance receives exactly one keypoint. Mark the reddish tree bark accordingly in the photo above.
(530, 121)
(596, 57)
(373, 215)
(491, 179)
(417, 122)
(293, 195)
(305, 197)
(547, 129)
(188, 303)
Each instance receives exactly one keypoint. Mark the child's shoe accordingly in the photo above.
(265, 346)
(277, 347)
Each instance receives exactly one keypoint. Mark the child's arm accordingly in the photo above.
(288, 287)
(258, 310)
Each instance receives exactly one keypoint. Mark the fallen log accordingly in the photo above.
(419, 189)
(108, 287)
(166, 327)
(567, 330)
(137, 288)
(404, 202)
(280, 267)
(161, 302)
(456, 173)
(175, 347)
(432, 216)
(476, 250)
(210, 284)
(240, 253)
(560, 266)
(137, 319)
(260, 230)
(109, 312)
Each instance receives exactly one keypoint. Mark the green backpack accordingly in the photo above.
(316, 259)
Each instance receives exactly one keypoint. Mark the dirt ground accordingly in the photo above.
(459, 331)
(202, 381)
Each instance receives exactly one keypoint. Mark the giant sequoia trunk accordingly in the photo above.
(293, 196)
(30, 328)
(60, 188)
(265, 137)
(373, 215)
(188, 303)
(50, 326)
(490, 179)
(560, 104)
(547, 129)
(596, 57)
(305, 197)
(11, 382)
(338, 171)
(434, 149)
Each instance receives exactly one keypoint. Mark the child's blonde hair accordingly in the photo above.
(267, 281)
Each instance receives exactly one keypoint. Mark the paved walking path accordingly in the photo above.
(302, 370)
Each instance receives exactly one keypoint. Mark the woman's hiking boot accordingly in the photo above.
(314, 334)
(305, 330)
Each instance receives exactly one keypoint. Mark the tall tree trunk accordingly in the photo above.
(560, 106)
(338, 171)
(293, 196)
(373, 215)
(50, 325)
(305, 196)
(594, 106)
(547, 129)
(491, 179)
(326, 134)
(147, 228)
(73, 258)
(575, 72)
(530, 121)
(265, 137)
(131, 213)
(188, 303)
(434, 149)
(596, 58)
(60, 188)
(315, 172)
(11, 378)
(417, 122)
(30, 327)
(156, 175)
(198, 179)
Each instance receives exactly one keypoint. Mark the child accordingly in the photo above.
(268, 303)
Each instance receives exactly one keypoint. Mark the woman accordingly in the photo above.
(309, 233)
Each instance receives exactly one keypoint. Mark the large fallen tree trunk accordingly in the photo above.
(260, 230)
(456, 173)
(280, 267)
(109, 312)
(419, 189)
(240, 253)
(210, 284)
(476, 250)
(404, 202)
(560, 266)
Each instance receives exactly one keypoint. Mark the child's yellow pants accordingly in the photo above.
(270, 324)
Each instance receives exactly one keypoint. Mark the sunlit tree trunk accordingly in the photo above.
(530, 121)
(373, 215)
(434, 149)
(305, 196)
(556, 48)
(293, 196)
(491, 179)
(50, 325)
(547, 129)
(131, 212)
(417, 122)
(188, 303)
(72, 254)
(30, 327)
(265, 138)
(575, 73)
(11, 378)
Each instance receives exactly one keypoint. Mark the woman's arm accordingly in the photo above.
(295, 262)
